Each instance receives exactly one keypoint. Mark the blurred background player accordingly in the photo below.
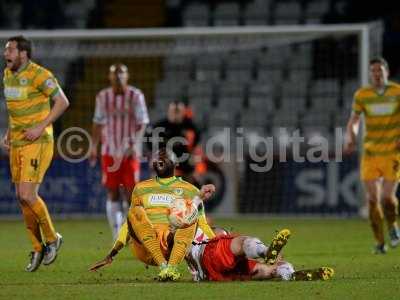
(179, 124)
(380, 105)
(28, 88)
(119, 122)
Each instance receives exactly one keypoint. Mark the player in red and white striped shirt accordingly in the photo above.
(119, 122)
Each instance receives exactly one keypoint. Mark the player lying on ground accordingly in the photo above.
(148, 225)
(228, 257)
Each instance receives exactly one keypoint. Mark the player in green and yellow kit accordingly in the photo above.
(148, 227)
(28, 89)
(379, 103)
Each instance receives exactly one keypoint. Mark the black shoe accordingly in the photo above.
(35, 261)
(380, 249)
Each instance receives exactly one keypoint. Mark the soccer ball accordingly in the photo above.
(182, 213)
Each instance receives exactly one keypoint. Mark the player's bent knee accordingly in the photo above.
(25, 196)
(237, 245)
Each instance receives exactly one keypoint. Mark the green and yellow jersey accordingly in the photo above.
(156, 196)
(382, 118)
(28, 93)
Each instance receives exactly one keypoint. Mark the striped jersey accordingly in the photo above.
(28, 94)
(382, 118)
(156, 195)
(120, 116)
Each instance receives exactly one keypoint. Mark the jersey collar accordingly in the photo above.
(22, 68)
(167, 181)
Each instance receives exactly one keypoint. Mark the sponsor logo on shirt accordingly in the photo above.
(383, 109)
(15, 93)
(161, 199)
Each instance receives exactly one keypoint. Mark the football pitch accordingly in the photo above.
(342, 244)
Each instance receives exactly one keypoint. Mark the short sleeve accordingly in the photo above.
(100, 115)
(136, 199)
(141, 114)
(46, 83)
(357, 106)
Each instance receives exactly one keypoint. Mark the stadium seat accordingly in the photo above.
(226, 14)
(170, 89)
(158, 112)
(325, 87)
(293, 89)
(285, 118)
(233, 89)
(198, 89)
(231, 96)
(239, 67)
(301, 58)
(220, 119)
(349, 88)
(287, 12)
(177, 75)
(315, 119)
(270, 75)
(196, 14)
(315, 11)
(274, 57)
(340, 119)
(208, 67)
(326, 104)
(255, 120)
(200, 105)
(257, 13)
(296, 75)
(298, 104)
(178, 63)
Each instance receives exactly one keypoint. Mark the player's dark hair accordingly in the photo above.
(379, 60)
(23, 44)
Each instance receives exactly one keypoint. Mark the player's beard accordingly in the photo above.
(16, 64)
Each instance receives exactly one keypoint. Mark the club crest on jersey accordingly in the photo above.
(23, 81)
(178, 191)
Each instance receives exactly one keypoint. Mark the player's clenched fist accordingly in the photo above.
(207, 191)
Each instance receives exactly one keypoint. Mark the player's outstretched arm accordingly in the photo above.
(122, 239)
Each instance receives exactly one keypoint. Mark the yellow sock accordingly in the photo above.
(391, 212)
(376, 218)
(182, 240)
(32, 227)
(145, 232)
(43, 217)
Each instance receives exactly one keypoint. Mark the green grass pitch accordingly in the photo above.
(343, 244)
